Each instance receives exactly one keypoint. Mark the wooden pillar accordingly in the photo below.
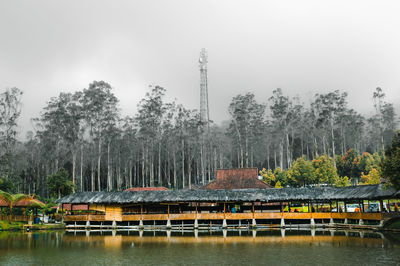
(345, 206)
(381, 204)
(62, 212)
(168, 210)
(253, 209)
(330, 206)
(141, 211)
(224, 209)
(196, 208)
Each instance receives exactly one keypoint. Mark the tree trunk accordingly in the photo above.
(73, 169)
(81, 166)
(159, 164)
(99, 167)
(109, 184)
(183, 163)
(174, 165)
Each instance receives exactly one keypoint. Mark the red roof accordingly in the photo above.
(145, 188)
(237, 179)
(22, 203)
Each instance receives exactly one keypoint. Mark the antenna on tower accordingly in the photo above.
(204, 111)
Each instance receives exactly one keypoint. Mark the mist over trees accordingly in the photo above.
(165, 144)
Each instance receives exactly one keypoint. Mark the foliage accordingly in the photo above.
(373, 177)
(278, 178)
(348, 164)
(166, 144)
(10, 110)
(281, 177)
(58, 183)
(302, 172)
(342, 181)
(278, 184)
(324, 170)
(6, 185)
(268, 176)
(391, 162)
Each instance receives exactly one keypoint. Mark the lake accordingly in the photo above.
(224, 247)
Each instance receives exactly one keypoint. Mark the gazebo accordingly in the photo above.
(22, 204)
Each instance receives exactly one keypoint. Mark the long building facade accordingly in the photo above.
(231, 208)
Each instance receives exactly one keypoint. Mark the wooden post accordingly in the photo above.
(168, 210)
(141, 211)
(345, 207)
(330, 206)
(381, 204)
(196, 208)
(62, 212)
(224, 210)
(253, 209)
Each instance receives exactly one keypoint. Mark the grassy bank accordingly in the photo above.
(14, 226)
(393, 226)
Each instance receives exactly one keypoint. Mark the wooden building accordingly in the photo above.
(224, 208)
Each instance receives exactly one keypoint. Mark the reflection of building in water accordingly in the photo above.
(370, 239)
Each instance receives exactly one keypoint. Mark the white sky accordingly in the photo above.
(47, 47)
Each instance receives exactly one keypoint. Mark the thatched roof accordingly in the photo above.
(371, 192)
(24, 203)
(145, 188)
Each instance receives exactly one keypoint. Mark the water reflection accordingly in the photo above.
(223, 246)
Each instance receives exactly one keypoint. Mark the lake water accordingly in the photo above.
(269, 247)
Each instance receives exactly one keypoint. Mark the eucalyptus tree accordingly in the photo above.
(378, 97)
(10, 111)
(329, 108)
(149, 118)
(280, 107)
(63, 119)
(100, 109)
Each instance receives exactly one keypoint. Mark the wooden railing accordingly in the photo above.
(15, 218)
(230, 216)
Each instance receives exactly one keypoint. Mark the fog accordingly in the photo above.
(303, 47)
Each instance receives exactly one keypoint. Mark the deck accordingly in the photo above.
(227, 216)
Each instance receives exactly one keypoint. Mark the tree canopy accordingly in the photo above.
(391, 162)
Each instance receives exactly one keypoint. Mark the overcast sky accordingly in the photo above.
(303, 47)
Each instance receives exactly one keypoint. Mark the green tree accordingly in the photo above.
(373, 177)
(6, 185)
(342, 181)
(59, 184)
(268, 176)
(391, 162)
(302, 172)
(324, 170)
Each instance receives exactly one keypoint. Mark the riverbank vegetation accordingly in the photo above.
(165, 144)
(15, 226)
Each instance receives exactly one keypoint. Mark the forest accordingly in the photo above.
(83, 136)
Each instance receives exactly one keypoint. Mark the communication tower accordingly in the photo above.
(204, 111)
